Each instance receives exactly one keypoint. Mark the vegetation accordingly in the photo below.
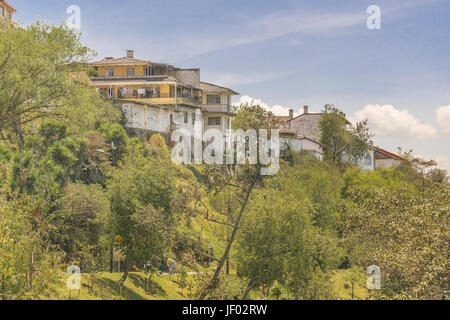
(76, 189)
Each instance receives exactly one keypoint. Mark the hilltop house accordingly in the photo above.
(300, 135)
(303, 133)
(158, 97)
(6, 11)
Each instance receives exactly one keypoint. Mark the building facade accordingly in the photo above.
(302, 133)
(6, 11)
(158, 97)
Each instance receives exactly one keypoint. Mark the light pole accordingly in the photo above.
(113, 163)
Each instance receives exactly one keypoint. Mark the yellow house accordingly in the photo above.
(159, 97)
(145, 82)
(6, 11)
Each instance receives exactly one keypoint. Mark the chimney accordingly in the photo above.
(305, 110)
(130, 53)
(291, 114)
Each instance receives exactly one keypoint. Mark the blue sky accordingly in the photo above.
(285, 54)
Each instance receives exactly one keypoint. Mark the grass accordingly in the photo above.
(343, 290)
(103, 286)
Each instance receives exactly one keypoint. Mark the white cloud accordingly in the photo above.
(386, 120)
(443, 118)
(277, 109)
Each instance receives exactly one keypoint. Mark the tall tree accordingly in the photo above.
(344, 142)
(141, 190)
(38, 67)
(238, 179)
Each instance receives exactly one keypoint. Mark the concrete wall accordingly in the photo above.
(188, 77)
(299, 145)
(158, 119)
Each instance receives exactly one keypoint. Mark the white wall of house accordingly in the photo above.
(386, 163)
(368, 163)
(299, 145)
(158, 119)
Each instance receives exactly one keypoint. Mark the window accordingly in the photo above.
(213, 99)
(185, 117)
(2, 11)
(130, 72)
(214, 121)
(171, 118)
(10, 15)
(110, 72)
(193, 118)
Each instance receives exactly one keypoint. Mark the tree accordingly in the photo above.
(344, 142)
(28, 261)
(275, 230)
(355, 275)
(38, 64)
(405, 235)
(141, 190)
(239, 180)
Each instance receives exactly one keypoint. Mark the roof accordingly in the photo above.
(119, 62)
(7, 6)
(314, 114)
(388, 154)
(206, 86)
(306, 114)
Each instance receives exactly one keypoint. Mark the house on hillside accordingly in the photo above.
(291, 139)
(6, 11)
(303, 133)
(386, 159)
(161, 98)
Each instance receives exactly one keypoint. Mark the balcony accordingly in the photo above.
(218, 108)
(126, 78)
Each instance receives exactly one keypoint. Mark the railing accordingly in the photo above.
(220, 108)
(116, 78)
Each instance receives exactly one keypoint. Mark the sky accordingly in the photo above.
(287, 54)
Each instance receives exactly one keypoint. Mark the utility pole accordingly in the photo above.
(111, 252)
(113, 163)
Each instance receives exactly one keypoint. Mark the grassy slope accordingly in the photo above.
(103, 287)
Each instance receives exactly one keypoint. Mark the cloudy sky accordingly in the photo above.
(286, 54)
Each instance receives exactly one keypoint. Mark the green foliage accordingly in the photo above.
(141, 191)
(345, 143)
(52, 131)
(38, 64)
(387, 178)
(28, 262)
(405, 234)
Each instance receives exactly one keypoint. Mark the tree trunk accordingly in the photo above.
(250, 286)
(127, 264)
(215, 278)
(353, 290)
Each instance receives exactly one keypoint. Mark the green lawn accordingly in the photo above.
(344, 293)
(103, 286)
